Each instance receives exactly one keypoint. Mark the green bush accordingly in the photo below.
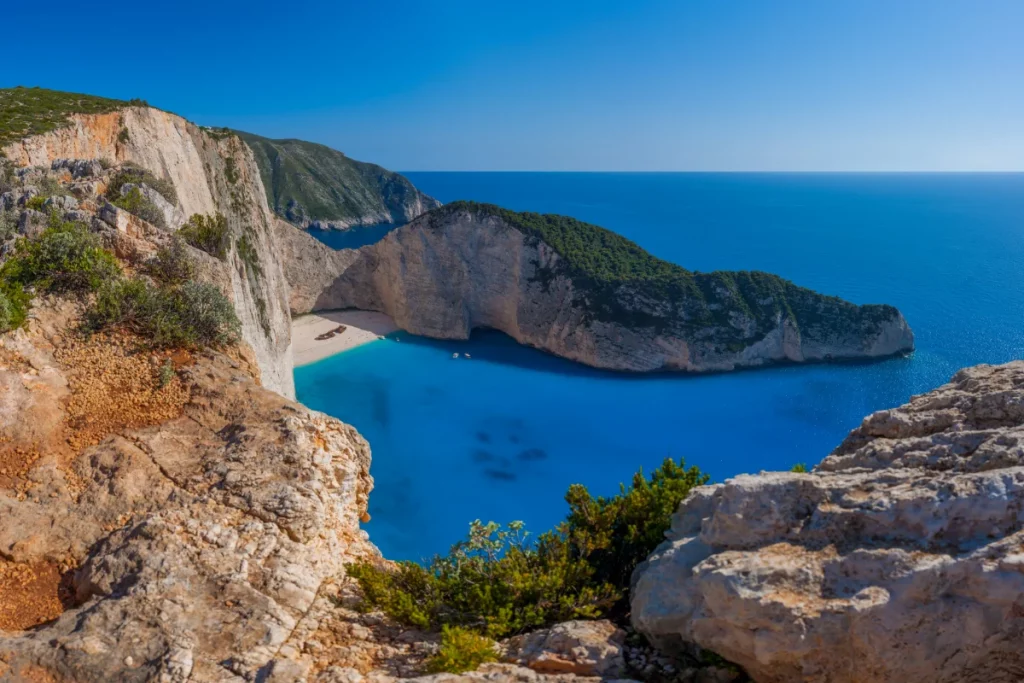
(496, 583)
(209, 233)
(137, 204)
(172, 264)
(14, 304)
(36, 202)
(64, 258)
(618, 533)
(799, 467)
(130, 173)
(194, 315)
(461, 650)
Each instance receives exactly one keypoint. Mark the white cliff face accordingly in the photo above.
(210, 175)
(897, 559)
(444, 277)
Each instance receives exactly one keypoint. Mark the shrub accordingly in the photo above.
(209, 233)
(48, 186)
(616, 534)
(14, 304)
(137, 204)
(130, 173)
(36, 202)
(65, 258)
(461, 650)
(496, 583)
(172, 264)
(166, 373)
(799, 467)
(194, 315)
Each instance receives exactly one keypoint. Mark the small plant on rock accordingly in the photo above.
(172, 264)
(166, 373)
(208, 233)
(137, 204)
(461, 650)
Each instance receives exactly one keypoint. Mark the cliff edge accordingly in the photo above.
(210, 174)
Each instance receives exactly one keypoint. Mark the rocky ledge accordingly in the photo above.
(587, 294)
(899, 558)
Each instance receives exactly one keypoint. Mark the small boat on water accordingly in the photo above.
(455, 355)
(467, 355)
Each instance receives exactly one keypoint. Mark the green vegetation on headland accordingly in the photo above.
(32, 111)
(498, 583)
(620, 282)
(307, 182)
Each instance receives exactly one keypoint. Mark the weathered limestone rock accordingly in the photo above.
(310, 267)
(210, 175)
(203, 541)
(897, 559)
(585, 648)
(445, 274)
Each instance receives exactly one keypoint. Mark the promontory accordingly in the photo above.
(584, 293)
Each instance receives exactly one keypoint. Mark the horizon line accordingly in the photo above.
(733, 172)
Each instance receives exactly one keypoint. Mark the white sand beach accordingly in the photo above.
(361, 327)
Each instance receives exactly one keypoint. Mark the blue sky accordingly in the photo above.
(588, 85)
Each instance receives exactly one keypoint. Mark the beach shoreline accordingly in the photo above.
(360, 327)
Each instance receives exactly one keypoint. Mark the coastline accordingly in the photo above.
(361, 327)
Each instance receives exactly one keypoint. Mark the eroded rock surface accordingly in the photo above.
(197, 545)
(898, 559)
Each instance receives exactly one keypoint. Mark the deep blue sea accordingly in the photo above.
(501, 436)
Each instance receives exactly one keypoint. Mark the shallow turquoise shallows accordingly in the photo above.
(502, 435)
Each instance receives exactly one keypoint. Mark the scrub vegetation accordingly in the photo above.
(32, 111)
(499, 582)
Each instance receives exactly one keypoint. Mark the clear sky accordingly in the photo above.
(563, 85)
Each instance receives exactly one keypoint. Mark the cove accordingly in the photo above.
(502, 435)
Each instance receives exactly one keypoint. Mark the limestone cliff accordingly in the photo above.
(210, 174)
(897, 559)
(586, 294)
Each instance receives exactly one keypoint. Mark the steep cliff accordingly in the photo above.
(210, 174)
(589, 295)
(313, 185)
(897, 559)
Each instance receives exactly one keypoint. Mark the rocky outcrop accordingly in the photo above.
(897, 559)
(584, 648)
(468, 266)
(210, 174)
(198, 544)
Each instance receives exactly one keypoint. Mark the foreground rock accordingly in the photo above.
(201, 541)
(585, 648)
(898, 559)
(588, 295)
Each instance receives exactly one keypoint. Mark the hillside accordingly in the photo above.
(312, 185)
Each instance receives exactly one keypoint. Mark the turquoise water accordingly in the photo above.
(501, 436)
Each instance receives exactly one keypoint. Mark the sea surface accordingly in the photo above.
(501, 436)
